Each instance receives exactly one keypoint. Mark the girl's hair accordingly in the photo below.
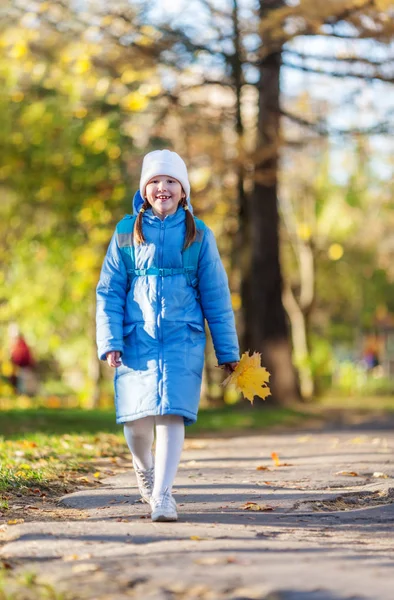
(191, 232)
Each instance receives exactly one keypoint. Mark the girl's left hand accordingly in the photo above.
(230, 367)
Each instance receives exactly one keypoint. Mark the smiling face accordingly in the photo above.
(164, 194)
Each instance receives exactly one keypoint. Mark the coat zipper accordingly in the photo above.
(159, 294)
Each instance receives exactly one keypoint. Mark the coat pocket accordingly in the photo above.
(196, 333)
(130, 357)
(140, 346)
(195, 347)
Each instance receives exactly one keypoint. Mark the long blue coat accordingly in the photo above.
(158, 325)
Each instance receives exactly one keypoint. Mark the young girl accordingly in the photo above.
(161, 277)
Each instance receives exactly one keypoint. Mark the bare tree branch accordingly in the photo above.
(348, 74)
(319, 127)
(345, 59)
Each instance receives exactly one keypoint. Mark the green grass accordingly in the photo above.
(29, 423)
(245, 418)
(44, 447)
(27, 586)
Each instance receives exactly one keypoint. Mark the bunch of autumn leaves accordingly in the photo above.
(249, 377)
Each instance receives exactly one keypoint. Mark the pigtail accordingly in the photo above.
(138, 233)
(191, 230)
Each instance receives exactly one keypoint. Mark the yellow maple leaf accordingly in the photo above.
(250, 377)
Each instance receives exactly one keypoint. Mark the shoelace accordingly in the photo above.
(145, 477)
(165, 500)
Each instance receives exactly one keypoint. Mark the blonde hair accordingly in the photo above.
(191, 230)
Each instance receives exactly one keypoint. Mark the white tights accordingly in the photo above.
(170, 435)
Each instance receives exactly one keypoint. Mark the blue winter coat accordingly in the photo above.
(158, 324)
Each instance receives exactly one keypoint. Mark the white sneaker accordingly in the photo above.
(164, 507)
(145, 480)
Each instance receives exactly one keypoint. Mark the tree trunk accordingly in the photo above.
(94, 366)
(299, 306)
(264, 315)
(299, 333)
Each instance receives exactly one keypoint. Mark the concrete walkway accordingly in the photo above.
(318, 527)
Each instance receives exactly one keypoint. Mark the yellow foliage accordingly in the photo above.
(119, 192)
(304, 231)
(7, 368)
(250, 377)
(45, 193)
(112, 99)
(19, 50)
(99, 145)
(94, 131)
(335, 252)
(236, 301)
(82, 65)
(80, 112)
(199, 178)
(85, 259)
(134, 102)
(129, 76)
(17, 138)
(33, 112)
(17, 96)
(77, 159)
(113, 152)
(54, 402)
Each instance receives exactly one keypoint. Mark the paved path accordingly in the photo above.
(319, 534)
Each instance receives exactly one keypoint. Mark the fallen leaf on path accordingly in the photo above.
(256, 507)
(195, 445)
(85, 568)
(380, 475)
(29, 444)
(215, 560)
(262, 468)
(348, 473)
(72, 557)
(197, 538)
(277, 462)
(15, 521)
(97, 474)
(275, 458)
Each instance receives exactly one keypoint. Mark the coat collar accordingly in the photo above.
(169, 221)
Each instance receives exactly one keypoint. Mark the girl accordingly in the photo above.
(161, 277)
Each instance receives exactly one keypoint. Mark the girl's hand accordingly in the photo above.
(230, 367)
(113, 358)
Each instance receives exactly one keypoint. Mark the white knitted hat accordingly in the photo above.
(164, 162)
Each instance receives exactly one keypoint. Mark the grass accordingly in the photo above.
(16, 424)
(26, 586)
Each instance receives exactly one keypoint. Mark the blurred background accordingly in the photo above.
(283, 111)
